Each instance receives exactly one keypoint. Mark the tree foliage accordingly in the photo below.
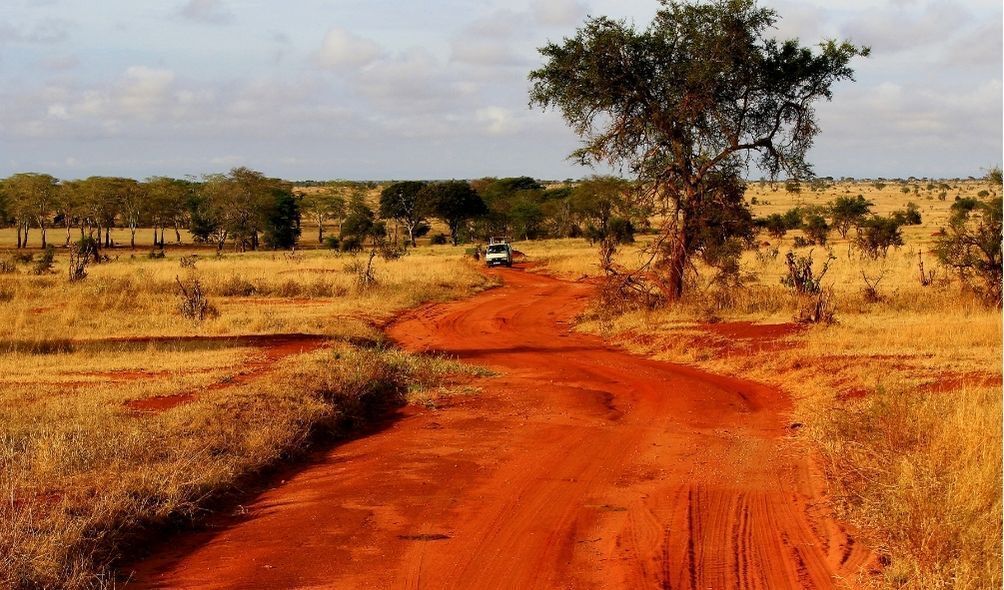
(689, 102)
(454, 202)
(400, 201)
(848, 212)
(972, 246)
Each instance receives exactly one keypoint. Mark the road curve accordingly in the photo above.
(579, 467)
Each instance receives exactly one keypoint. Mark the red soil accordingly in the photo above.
(580, 467)
(751, 331)
(955, 381)
(272, 348)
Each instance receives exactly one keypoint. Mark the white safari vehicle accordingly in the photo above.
(498, 252)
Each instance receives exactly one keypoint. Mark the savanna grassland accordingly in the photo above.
(901, 395)
(120, 417)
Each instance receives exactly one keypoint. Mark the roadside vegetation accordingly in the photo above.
(899, 392)
(124, 412)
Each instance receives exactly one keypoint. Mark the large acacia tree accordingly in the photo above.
(688, 105)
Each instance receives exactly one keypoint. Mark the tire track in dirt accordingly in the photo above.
(581, 466)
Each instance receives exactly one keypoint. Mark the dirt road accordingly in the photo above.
(580, 466)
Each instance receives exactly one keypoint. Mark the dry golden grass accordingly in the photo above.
(83, 473)
(901, 397)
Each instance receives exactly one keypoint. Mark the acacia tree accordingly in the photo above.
(600, 199)
(321, 206)
(400, 201)
(689, 103)
(846, 212)
(132, 200)
(972, 244)
(454, 202)
(34, 199)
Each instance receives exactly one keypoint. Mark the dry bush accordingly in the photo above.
(81, 254)
(926, 278)
(916, 471)
(236, 286)
(85, 483)
(44, 264)
(188, 261)
(365, 276)
(870, 290)
(194, 304)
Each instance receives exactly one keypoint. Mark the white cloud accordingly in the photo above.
(206, 11)
(342, 49)
(145, 91)
(497, 120)
(558, 12)
(58, 111)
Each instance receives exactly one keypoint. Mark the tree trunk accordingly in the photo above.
(19, 235)
(67, 244)
(108, 237)
(27, 229)
(162, 237)
(320, 232)
(177, 233)
(154, 236)
(132, 237)
(677, 266)
(41, 228)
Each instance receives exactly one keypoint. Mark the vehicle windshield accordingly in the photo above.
(495, 249)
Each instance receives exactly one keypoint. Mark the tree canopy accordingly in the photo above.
(454, 202)
(688, 103)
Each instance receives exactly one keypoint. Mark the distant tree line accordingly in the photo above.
(243, 207)
(248, 210)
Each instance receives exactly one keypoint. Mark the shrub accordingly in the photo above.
(621, 230)
(815, 304)
(438, 239)
(909, 216)
(156, 254)
(877, 234)
(775, 225)
(363, 271)
(816, 229)
(237, 286)
(188, 261)
(793, 218)
(332, 242)
(7, 267)
(800, 275)
(43, 265)
(194, 304)
(351, 244)
(972, 246)
(81, 253)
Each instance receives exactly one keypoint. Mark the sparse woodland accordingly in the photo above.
(167, 340)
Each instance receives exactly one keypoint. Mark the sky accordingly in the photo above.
(380, 89)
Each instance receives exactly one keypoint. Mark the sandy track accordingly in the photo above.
(580, 467)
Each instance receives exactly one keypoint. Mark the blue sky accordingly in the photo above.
(379, 89)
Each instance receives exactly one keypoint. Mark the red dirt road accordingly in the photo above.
(579, 467)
